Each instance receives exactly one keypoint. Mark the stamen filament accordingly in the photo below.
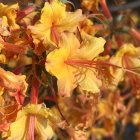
(55, 34)
(92, 64)
(31, 129)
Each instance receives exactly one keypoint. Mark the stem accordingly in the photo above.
(107, 48)
(24, 13)
(105, 9)
(35, 89)
(18, 70)
(14, 48)
(119, 40)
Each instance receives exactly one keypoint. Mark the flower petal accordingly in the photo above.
(90, 82)
(91, 48)
(10, 13)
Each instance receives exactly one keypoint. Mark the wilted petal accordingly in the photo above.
(15, 84)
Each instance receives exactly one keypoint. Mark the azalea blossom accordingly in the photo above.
(21, 129)
(69, 70)
(127, 60)
(70, 63)
(54, 20)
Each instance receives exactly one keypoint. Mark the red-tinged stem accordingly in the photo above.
(18, 70)
(50, 99)
(35, 89)
(14, 48)
(31, 128)
(105, 9)
(107, 48)
(25, 12)
(135, 34)
(119, 40)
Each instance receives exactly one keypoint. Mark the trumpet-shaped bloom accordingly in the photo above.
(10, 13)
(15, 84)
(71, 63)
(127, 58)
(19, 130)
(55, 20)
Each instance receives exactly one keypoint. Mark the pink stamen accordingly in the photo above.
(31, 129)
(19, 98)
(89, 63)
(79, 62)
(55, 34)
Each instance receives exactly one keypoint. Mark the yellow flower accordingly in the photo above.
(127, 58)
(4, 26)
(1, 98)
(10, 13)
(136, 118)
(87, 26)
(55, 20)
(14, 84)
(90, 4)
(2, 58)
(19, 129)
(69, 63)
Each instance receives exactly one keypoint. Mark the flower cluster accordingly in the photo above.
(67, 73)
